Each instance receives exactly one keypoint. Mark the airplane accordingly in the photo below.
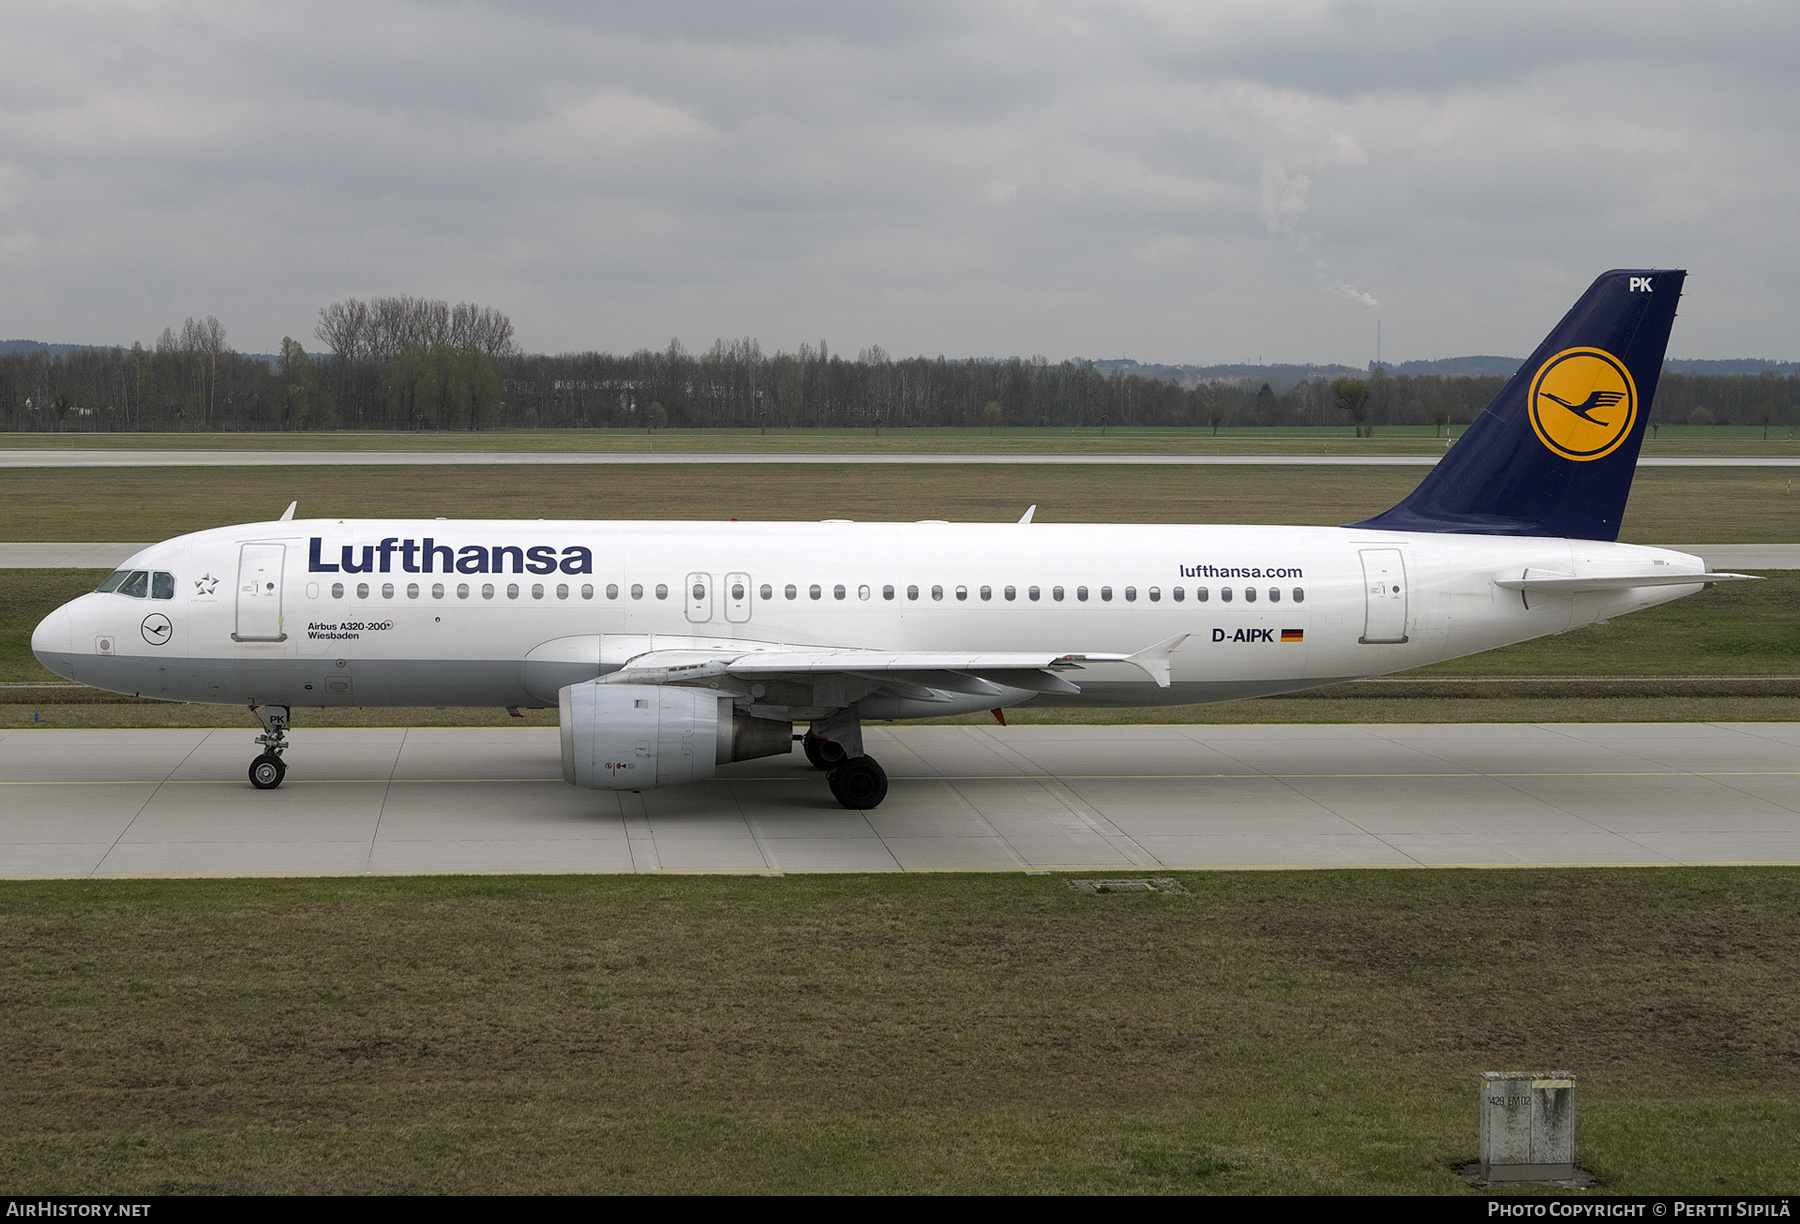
(670, 649)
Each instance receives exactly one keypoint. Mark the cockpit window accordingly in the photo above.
(162, 586)
(137, 585)
(112, 581)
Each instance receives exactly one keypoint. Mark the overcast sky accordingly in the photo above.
(1178, 182)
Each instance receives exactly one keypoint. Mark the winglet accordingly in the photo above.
(1153, 661)
(288, 514)
(1027, 516)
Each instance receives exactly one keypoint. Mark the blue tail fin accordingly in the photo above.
(1554, 454)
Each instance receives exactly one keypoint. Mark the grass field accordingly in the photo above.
(1388, 439)
(1270, 1032)
(1667, 506)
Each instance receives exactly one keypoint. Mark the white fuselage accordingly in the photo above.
(260, 614)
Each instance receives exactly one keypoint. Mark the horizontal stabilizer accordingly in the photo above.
(1564, 584)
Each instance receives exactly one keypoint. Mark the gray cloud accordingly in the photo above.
(1190, 183)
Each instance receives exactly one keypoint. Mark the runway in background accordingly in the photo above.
(451, 458)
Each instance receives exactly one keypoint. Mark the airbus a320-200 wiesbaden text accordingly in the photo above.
(671, 649)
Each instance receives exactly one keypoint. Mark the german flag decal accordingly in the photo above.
(1293, 635)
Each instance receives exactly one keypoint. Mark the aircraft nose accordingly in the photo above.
(52, 642)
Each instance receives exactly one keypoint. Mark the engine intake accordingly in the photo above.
(642, 736)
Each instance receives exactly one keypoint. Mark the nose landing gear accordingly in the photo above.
(267, 770)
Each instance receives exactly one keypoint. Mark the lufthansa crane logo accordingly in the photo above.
(1583, 403)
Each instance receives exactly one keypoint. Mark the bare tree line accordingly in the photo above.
(382, 328)
(416, 364)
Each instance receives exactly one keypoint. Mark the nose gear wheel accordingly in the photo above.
(267, 771)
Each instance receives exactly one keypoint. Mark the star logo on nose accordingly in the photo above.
(206, 585)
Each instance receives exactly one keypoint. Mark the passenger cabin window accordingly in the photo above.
(1201, 595)
(362, 590)
(791, 592)
(862, 592)
(962, 592)
(815, 591)
(837, 592)
(1274, 594)
(637, 590)
(737, 590)
(387, 590)
(1299, 595)
(767, 592)
(912, 592)
(612, 591)
(537, 590)
(662, 590)
(887, 592)
(487, 590)
(562, 590)
(1081, 594)
(162, 586)
(987, 592)
(1106, 593)
(412, 590)
(587, 591)
(1056, 593)
(1010, 593)
(337, 590)
(937, 592)
(1155, 594)
(437, 590)
(1224, 594)
(1131, 594)
(1179, 594)
(1032, 594)
(1249, 594)
(462, 590)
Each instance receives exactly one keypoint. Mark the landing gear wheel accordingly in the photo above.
(859, 783)
(823, 753)
(267, 771)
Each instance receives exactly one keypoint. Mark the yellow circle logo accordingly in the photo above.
(1583, 403)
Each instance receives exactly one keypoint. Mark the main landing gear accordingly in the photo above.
(267, 770)
(857, 782)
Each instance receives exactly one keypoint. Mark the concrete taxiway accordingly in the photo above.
(1104, 799)
(449, 458)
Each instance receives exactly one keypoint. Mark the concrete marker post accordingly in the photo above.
(1527, 1126)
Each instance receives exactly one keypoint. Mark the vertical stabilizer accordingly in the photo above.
(1554, 454)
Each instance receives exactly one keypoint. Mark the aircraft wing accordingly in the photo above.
(689, 665)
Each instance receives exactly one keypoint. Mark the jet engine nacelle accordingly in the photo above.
(641, 736)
